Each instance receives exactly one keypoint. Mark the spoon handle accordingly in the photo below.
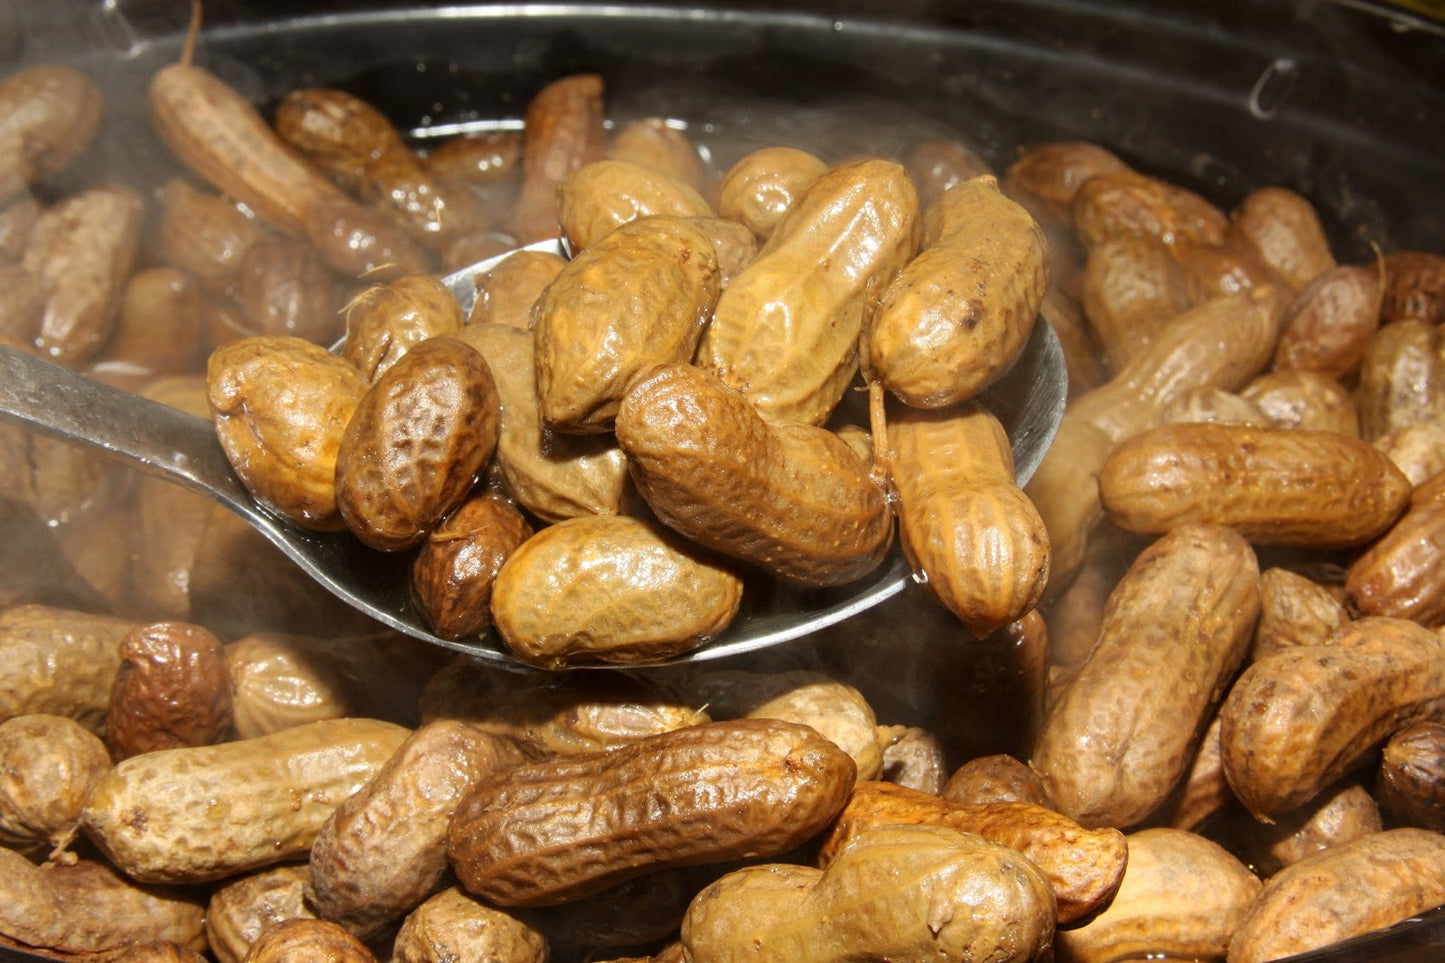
(70, 407)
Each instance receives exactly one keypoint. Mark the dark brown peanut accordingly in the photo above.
(281, 406)
(1113, 203)
(481, 157)
(48, 765)
(1046, 177)
(610, 589)
(50, 114)
(1296, 721)
(1083, 866)
(1411, 781)
(283, 288)
(1175, 630)
(549, 832)
(203, 234)
(1286, 486)
(156, 325)
(453, 572)
(561, 131)
(1414, 287)
(416, 443)
(173, 688)
(788, 497)
(1132, 286)
(1400, 574)
(994, 779)
(905, 876)
(1347, 890)
(1338, 815)
(1282, 229)
(638, 297)
(1330, 321)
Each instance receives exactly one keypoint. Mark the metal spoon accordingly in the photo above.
(60, 403)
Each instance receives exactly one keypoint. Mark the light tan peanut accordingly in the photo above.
(760, 188)
(1113, 203)
(1414, 287)
(1132, 286)
(994, 779)
(155, 326)
(1065, 492)
(86, 907)
(1402, 378)
(930, 892)
(281, 406)
(549, 832)
(963, 521)
(1330, 321)
(216, 133)
(1175, 630)
(1338, 815)
(1222, 342)
(204, 813)
(600, 197)
(1182, 896)
(610, 588)
(173, 688)
(1045, 177)
(1410, 785)
(639, 297)
(1281, 228)
(550, 713)
(157, 951)
(1082, 866)
(1286, 486)
(1296, 721)
(1400, 575)
(82, 250)
(937, 164)
(59, 661)
(203, 234)
(958, 314)
(239, 910)
(383, 851)
(282, 287)
(416, 443)
(561, 131)
(48, 765)
(786, 330)
(453, 926)
(386, 321)
(1418, 450)
(50, 114)
(655, 142)
(915, 758)
(507, 293)
(1304, 399)
(454, 569)
(280, 681)
(1351, 889)
(297, 940)
(1207, 403)
(732, 242)
(552, 474)
(1203, 794)
(1294, 610)
(788, 497)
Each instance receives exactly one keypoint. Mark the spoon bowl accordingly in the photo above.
(182, 448)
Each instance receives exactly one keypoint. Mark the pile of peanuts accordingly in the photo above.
(1182, 696)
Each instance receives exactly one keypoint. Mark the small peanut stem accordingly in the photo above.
(882, 470)
(193, 32)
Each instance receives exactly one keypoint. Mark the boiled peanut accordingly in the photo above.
(963, 522)
(50, 114)
(993, 779)
(1330, 321)
(1175, 630)
(1282, 229)
(300, 939)
(1399, 575)
(386, 321)
(156, 327)
(507, 293)
(896, 892)
(173, 688)
(788, 497)
(760, 188)
(416, 443)
(915, 758)
(1402, 378)
(204, 813)
(1045, 177)
(48, 765)
(1304, 399)
(638, 297)
(1411, 782)
(203, 234)
(453, 926)
(1132, 285)
(599, 197)
(935, 165)
(481, 157)
(1113, 203)
(610, 588)
(1207, 403)
(283, 288)
(734, 245)
(280, 680)
(1296, 721)
(58, 661)
(238, 911)
(786, 330)
(959, 313)
(454, 570)
(561, 131)
(1203, 793)
(1275, 486)
(1338, 815)
(1084, 867)
(281, 406)
(1065, 493)
(1294, 610)
(383, 850)
(549, 832)
(1347, 890)
(1182, 896)
(1413, 287)
(1418, 450)
(86, 907)
(654, 142)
